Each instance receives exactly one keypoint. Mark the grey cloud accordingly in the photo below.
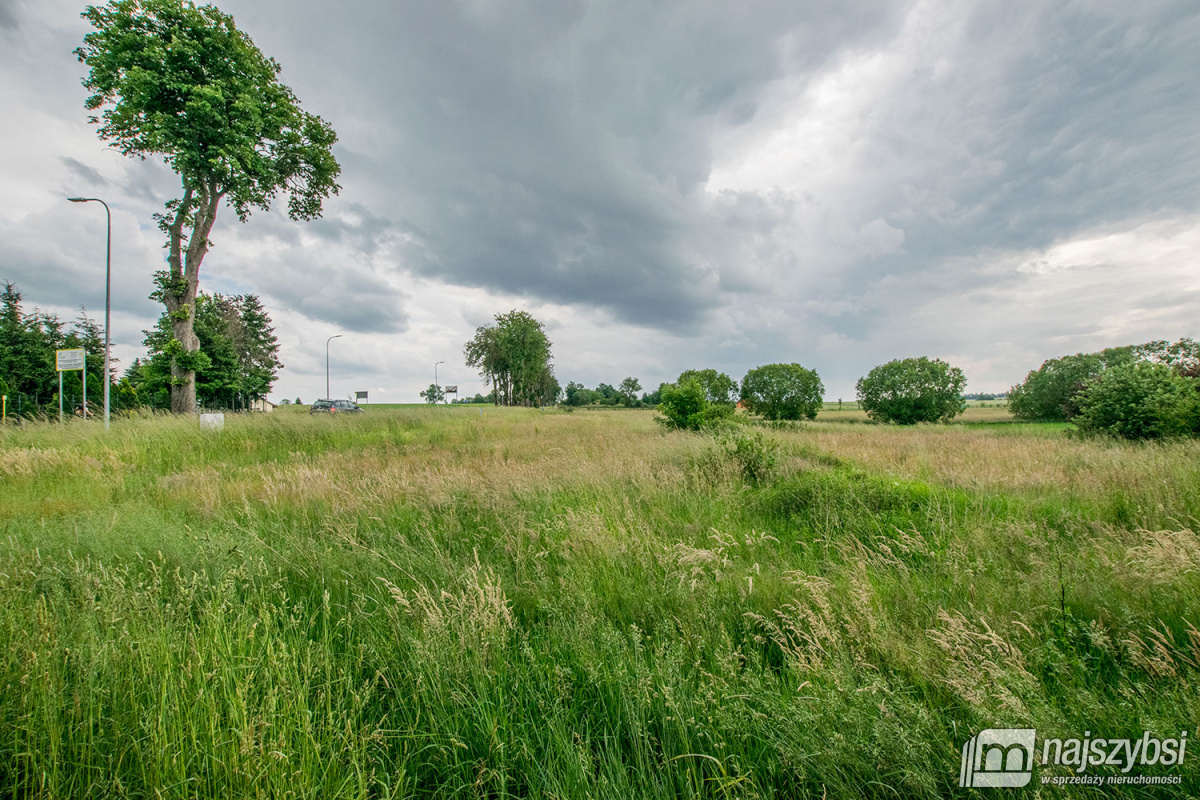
(1085, 117)
(331, 270)
(476, 316)
(557, 151)
(1045, 122)
(151, 183)
(57, 260)
(361, 303)
(87, 174)
(8, 14)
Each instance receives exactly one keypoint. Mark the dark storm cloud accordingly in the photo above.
(1022, 127)
(559, 150)
(352, 301)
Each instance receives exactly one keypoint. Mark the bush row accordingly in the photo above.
(1146, 391)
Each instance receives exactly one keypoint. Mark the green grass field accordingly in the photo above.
(419, 602)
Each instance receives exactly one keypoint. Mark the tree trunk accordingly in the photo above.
(200, 210)
(183, 381)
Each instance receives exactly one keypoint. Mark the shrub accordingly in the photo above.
(911, 390)
(684, 405)
(1143, 400)
(754, 454)
(783, 391)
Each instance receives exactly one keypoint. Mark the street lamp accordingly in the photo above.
(435, 380)
(107, 300)
(327, 341)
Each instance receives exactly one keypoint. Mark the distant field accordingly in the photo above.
(989, 411)
(482, 602)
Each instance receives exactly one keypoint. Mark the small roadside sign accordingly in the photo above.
(67, 360)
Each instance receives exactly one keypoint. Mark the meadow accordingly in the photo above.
(478, 602)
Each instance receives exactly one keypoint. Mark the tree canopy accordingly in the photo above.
(911, 390)
(718, 387)
(513, 356)
(1053, 392)
(685, 405)
(783, 391)
(629, 389)
(181, 82)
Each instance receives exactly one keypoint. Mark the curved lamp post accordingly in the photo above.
(107, 300)
(327, 341)
(435, 380)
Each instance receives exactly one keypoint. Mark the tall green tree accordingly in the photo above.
(629, 389)
(15, 342)
(513, 356)
(783, 391)
(181, 82)
(718, 387)
(911, 390)
(255, 345)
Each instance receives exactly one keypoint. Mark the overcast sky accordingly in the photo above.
(667, 185)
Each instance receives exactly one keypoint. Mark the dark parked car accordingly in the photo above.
(334, 407)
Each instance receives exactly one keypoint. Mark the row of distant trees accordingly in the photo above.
(624, 394)
(905, 391)
(1144, 391)
(513, 356)
(236, 362)
(28, 341)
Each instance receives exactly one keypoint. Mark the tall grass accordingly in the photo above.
(482, 603)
